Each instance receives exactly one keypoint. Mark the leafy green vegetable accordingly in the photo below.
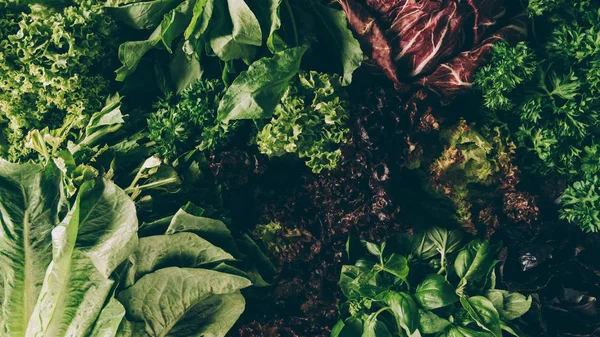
(204, 301)
(548, 97)
(447, 301)
(309, 121)
(238, 37)
(581, 204)
(342, 41)
(255, 93)
(31, 200)
(51, 62)
(188, 121)
(64, 278)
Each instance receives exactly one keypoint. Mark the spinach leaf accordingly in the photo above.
(141, 14)
(255, 92)
(435, 292)
(237, 33)
(175, 22)
(340, 38)
(179, 249)
(267, 13)
(201, 15)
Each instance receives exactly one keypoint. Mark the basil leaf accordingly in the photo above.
(348, 284)
(475, 264)
(459, 331)
(511, 329)
(373, 327)
(255, 92)
(484, 313)
(435, 292)
(421, 246)
(446, 241)
(373, 248)
(430, 323)
(510, 306)
(404, 309)
(397, 265)
(515, 306)
(351, 327)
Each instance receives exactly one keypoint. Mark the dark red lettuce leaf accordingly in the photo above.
(437, 44)
(456, 76)
(373, 38)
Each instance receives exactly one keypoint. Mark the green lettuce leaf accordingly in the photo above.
(31, 198)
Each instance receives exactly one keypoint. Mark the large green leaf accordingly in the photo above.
(212, 230)
(435, 292)
(185, 302)
(267, 13)
(482, 311)
(141, 14)
(31, 198)
(179, 249)
(97, 235)
(109, 320)
(404, 308)
(256, 92)
(175, 23)
(237, 33)
(346, 48)
(475, 264)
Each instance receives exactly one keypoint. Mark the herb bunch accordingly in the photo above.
(428, 284)
(549, 99)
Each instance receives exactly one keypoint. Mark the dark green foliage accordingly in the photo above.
(581, 204)
(428, 284)
(50, 61)
(554, 111)
(180, 124)
(310, 121)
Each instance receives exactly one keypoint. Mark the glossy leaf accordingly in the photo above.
(435, 292)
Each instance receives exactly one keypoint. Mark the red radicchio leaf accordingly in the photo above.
(372, 36)
(424, 34)
(420, 35)
(456, 76)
